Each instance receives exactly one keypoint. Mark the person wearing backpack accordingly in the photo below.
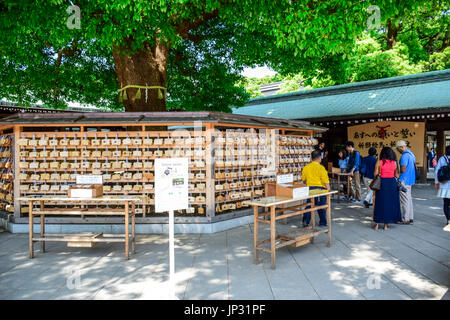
(442, 181)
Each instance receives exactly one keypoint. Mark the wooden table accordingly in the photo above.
(338, 179)
(305, 235)
(128, 211)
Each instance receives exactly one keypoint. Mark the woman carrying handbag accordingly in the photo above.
(387, 199)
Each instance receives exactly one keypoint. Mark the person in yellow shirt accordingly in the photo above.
(316, 177)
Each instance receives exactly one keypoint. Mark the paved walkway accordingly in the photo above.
(406, 262)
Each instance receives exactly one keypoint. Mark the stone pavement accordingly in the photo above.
(406, 262)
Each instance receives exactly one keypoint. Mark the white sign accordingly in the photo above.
(89, 179)
(285, 178)
(171, 184)
(300, 192)
(81, 193)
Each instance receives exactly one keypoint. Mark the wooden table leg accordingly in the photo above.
(339, 187)
(127, 256)
(30, 226)
(349, 185)
(42, 227)
(313, 217)
(133, 234)
(255, 233)
(272, 236)
(329, 219)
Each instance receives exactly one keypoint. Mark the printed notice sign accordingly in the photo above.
(89, 179)
(171, 184)
(285, 178)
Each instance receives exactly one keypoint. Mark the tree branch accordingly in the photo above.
(186, 25)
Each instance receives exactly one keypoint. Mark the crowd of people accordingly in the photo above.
(388, 180)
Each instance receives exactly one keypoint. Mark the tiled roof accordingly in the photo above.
(412, 92)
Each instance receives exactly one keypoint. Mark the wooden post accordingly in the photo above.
(339, 187)
(42, 227)
(30, 228)
(133, 234)
(210, 176)
(349, 185)
(424, 169)
(126, 231)
(440, 145)
(272, 236)
(329, 219)
(313, 217)
(16, 171)
(255, 232)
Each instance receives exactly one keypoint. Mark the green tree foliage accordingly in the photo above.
(195, 48)
(412, 38)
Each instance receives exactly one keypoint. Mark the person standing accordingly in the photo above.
(367, 171)
(408, 179)
(343, 160)
(387, 199)
(323, 152)
(316, 177)
(444, 187)
(430, 158)
(353, 166)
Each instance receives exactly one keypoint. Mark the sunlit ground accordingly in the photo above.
(405, 262)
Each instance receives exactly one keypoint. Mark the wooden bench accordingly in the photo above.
(82, 239)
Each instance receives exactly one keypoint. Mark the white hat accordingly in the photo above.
(401, 143)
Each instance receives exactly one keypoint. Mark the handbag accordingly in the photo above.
(375, 185)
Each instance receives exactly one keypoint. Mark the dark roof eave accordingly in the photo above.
(383, 114)
(79, 118)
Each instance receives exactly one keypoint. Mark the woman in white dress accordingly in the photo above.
(444, 187)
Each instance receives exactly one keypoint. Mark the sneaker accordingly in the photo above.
(411, 221)
(366, 204)
(322, 227)
(355, 201)
(305, 225)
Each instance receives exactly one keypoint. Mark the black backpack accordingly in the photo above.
(444, 172)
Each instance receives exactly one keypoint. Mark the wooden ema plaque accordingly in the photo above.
(289, 190)
(86, 191)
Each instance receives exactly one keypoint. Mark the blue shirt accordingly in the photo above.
(409, 160)
(368, 166)
(343, 163)
(354, 161)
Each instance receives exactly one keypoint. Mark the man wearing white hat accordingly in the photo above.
(408, 179)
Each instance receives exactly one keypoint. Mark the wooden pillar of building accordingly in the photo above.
(424, 168)
(16, 153)
(440, 145)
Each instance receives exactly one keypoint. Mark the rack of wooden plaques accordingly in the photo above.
(294, 153)
(241, 160)
(6, 173)
(50, 161)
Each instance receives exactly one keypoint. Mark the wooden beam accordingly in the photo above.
(16, 153)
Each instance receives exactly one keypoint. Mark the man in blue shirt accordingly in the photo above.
(367, 171)
(353, 166)
(408, 179)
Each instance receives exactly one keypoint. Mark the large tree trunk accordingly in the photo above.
(147, 67)
(392, 33)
